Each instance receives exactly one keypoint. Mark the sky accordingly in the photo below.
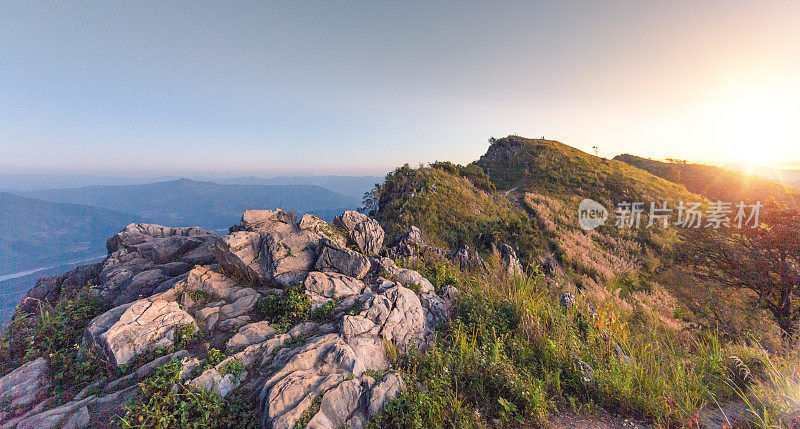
(271, 88)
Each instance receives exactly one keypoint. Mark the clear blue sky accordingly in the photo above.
(360, 87)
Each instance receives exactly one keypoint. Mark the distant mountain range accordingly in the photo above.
(43, 229)
(208, 205)
(35, 233)
(354, 186)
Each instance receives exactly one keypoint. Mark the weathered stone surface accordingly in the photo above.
(24, 387)
(240, 254)
(268, 246)
(322, 287)
(92, 411)
(567, 300)
(338, 404)
(287, 371)
(143, 257)
(333, 258)
(50, 288)
(302, 374)
(318, 226)
(248, 335)
(362, 231)
(213, 381)
(394, 315)
(264, 219)
(384, 390)
(510, 260)
(124, 332)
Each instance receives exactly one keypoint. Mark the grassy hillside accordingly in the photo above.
(662, 346)
(451, 210)
(716, 183)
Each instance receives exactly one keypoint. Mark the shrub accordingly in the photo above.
(286, 310)
(159, 405)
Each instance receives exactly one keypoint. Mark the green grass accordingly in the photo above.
(55, 334)
(159, 405)
(510, 355)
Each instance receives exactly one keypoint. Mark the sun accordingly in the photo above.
(760, 127)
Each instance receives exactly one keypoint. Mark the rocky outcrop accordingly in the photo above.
(250, 334)
(145, 258)
(49, 289)
(157, 289)
(125, 332)
(215, 299)
(362, 231)
(510, 261)
(269, 246)
(323, 287)
(336, 259)
(23, 388)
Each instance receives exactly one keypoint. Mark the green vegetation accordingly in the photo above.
(512, 355)
(664, 345)
(716, 183)
(451, 211)
(55, 334)
(287, 309)
(183, 406)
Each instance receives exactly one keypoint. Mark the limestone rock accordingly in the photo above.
(338, 404)
(124, 332)
(268, 246)
(50, 288)
(510, 260)
(250, 334)
(333, 258)
(384, 390)
(303, 373)
(142, 257)
(362, 231)
(24, 387)
(322, 287)
(318, 226)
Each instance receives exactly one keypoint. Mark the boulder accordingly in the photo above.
(50, 289)
(339, 404)
(510, 261)
(267, 246)
(143, 257)
(303, 373)
(333, 258)
(253, 220)
(323, 287)
(24, 387)
(362, 231)
(122, 333)
(318, 226)
(248, 335)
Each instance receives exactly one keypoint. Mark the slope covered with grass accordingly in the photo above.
(644, 339)
(716, 183)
